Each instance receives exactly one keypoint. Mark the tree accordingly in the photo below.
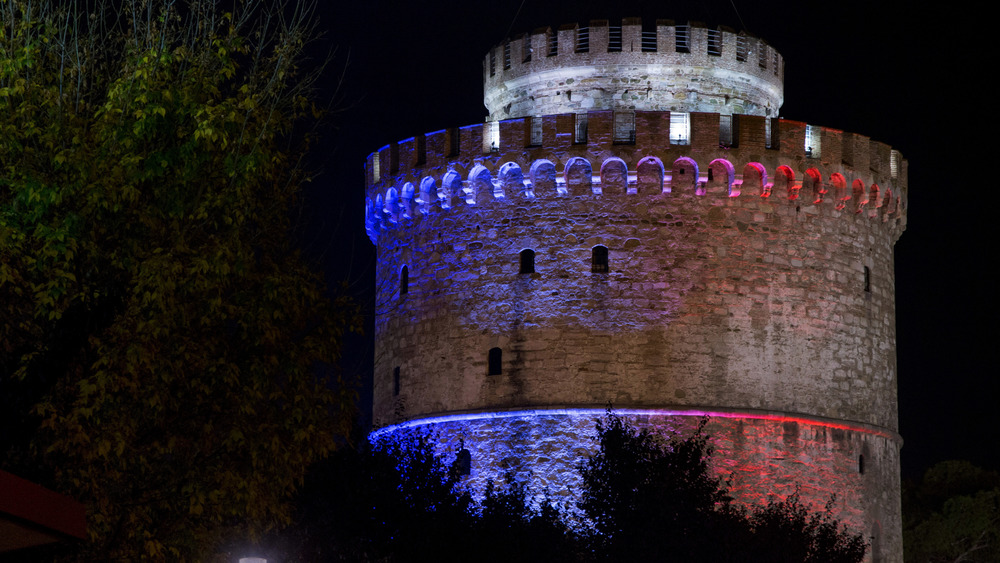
(650, 499)
(786, 532)
(164, 348)
(398, 501)
(952, 515)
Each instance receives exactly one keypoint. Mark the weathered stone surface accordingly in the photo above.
(747, 276)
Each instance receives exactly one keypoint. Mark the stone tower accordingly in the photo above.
(634, 225)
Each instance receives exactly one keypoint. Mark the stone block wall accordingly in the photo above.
(752, 279)
(740, 74)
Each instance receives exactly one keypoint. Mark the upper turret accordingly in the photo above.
(681, 68)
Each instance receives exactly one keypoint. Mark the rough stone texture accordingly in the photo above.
(746, 276)
(665, 79)
(763, 457)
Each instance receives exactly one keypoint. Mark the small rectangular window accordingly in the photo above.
(581, 129)
(599, 260)
(491, 136)
(868, 280)
(527, 261)
(771, 133)
(375, 166)
(715, 42)
(395, 381)
(774, 62)
(624, 127)
(553, 43)
(526, 55)
(494, 362)
(761, 54)
(813, 139)
(893, 164)
(742, 48)
(725, 131)
(680, 128)
(536, 131)
(493, 62)
(506, 56)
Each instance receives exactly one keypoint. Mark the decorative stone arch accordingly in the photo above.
(784, 183)
(755, 180)
(480, 186)
(614, 176)
(512, 180)
(813, 185)
(543, 177)
(887, 205)
(684, 174)
(649, 176)
(721, 175)
(391, 207)
(406, 201)
(378, 213)
(859, 195)
(451, 192)
(370, 224)
(839, 184)
(579, 176)
(428, 195)
(874, 202)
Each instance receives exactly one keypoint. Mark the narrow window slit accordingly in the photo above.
(527, 261)
(495, 362)
(599, 260)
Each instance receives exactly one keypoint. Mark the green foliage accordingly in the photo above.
(786, 532)
(655, 500)
(952, 514)
(647, 499)
(399, 502)
(156, 319)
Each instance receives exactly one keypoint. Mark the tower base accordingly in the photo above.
(763, 456)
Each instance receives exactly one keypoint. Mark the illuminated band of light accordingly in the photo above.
(665, 412)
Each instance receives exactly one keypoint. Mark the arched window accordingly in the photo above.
(599, 260)
(527, 261)
(495, 361)
(395, 381)
(404, 280)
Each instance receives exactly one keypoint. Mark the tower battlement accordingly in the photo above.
(665, 67)
(449, 170)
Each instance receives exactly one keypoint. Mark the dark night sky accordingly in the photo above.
(898, 73)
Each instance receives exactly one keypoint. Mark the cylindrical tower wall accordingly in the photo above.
(761, 458)
(712, 299)
(751, 279)
(599, 67)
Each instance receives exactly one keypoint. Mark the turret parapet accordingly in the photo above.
(663, 67)
(730, 156)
